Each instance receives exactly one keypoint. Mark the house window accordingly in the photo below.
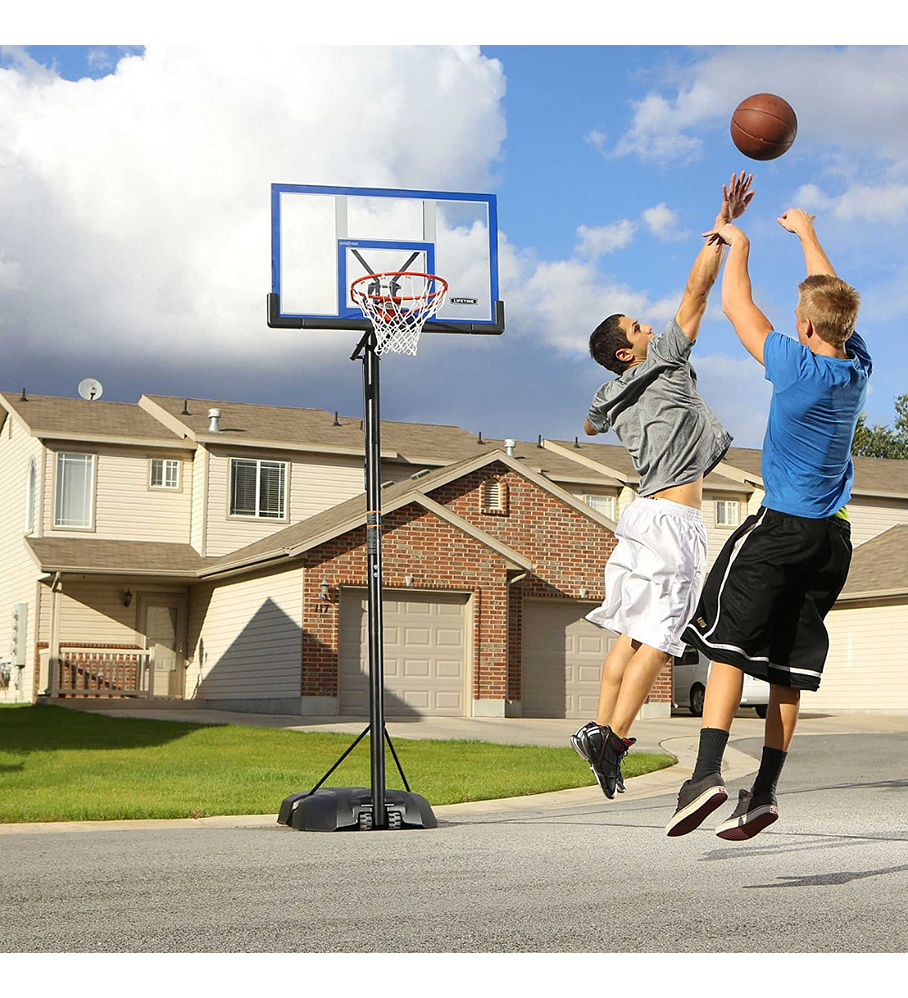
(30, 497)
(75, 490)
(165, 473)
(257, 488)
(494, 497)
(602, 504)
(728, 512)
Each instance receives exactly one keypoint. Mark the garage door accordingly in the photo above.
(424, 646)
(562, 660)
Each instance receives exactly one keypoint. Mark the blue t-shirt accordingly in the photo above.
(816, 401)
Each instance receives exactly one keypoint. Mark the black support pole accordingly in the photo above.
(372, 430)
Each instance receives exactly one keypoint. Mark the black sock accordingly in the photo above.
(770, 770)
(709, 758)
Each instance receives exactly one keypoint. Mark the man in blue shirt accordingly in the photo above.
(778, 575)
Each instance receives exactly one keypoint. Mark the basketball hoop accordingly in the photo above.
(399, 304)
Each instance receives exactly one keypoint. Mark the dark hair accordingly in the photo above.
(606, 340)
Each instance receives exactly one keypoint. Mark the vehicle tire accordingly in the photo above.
(696, 699)
(761, 709)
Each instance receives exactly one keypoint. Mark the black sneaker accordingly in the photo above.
(750, 817)
(604, 751)
(696, 801)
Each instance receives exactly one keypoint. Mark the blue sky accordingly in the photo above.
(134, 212)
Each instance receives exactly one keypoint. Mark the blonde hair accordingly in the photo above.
(831, 305)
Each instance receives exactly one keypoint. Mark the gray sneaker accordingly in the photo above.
(696, 802)
(750, 817)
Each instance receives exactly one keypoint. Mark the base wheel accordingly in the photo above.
(365, 821)
(395, 820)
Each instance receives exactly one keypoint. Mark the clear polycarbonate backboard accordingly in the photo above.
(324, 238)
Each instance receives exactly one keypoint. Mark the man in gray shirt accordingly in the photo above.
(654, 576)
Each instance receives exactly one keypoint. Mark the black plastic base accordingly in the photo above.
(336, 809)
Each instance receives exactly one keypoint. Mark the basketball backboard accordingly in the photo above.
(324, 238)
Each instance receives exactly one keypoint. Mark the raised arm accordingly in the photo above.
(735, 198)
(797, 220)
(750, 323)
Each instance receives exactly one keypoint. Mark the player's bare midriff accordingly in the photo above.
(690, 494)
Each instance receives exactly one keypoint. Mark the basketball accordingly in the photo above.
(764, 126)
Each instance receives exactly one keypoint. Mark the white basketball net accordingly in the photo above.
(398, 305)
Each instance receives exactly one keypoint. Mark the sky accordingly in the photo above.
(135, 211)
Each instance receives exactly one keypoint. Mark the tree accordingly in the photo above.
(881, 440)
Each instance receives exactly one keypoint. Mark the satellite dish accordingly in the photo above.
(91, 389)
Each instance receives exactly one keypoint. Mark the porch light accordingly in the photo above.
(584, 593)
(127, 598)
(323, 590)
(408, 580)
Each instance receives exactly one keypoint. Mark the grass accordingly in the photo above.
(64, 765)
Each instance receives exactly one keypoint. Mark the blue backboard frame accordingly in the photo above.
(351, 318)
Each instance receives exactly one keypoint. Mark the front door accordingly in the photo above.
(165, 619)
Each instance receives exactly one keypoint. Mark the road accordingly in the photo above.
(830, 876)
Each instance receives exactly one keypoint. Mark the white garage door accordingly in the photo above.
(562, 660)
(424, 650)
(865, 669)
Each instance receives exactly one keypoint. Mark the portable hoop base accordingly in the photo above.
(338, 809)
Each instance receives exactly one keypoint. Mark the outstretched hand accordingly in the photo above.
(736, 196)
(796, 220)
(724, 232)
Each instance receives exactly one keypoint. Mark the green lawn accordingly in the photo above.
(65, 765)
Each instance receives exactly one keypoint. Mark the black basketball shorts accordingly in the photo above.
(764, 601)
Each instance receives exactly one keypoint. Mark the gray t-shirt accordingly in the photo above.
(654, 408)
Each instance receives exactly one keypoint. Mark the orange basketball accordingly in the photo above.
(764, 126)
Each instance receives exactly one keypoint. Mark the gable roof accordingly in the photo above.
(300, 537)
(879, 567)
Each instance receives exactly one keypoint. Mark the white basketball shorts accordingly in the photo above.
(654, 576)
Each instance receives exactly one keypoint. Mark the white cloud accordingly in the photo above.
(10, 276)
(594, 242)
(662, 222)
(596, 138)
(137, 207)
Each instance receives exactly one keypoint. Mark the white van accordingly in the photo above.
(689, 676)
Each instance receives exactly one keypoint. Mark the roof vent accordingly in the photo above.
(539, 441)
(185, 411)
(213, 416)
(24, 397)
(509, 446)
(336, 421)
(479, 437)
(577, 442)
(421, 473)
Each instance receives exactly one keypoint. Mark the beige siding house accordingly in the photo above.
(137, 560)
